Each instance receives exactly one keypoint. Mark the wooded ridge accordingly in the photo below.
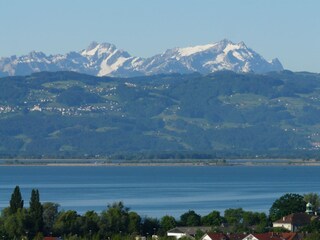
(224, 114)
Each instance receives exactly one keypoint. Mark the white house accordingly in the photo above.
(293, 221)
(180, 232)
(223, 236)
(271, 236)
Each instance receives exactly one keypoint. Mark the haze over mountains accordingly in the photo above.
(106, 59)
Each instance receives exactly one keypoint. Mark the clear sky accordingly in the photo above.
(287, 29)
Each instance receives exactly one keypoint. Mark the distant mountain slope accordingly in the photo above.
(66, 114)
(106, 60)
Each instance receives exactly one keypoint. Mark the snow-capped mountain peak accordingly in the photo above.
(98, 49)
(232, 47)
(106, 59)
(36, 55)
(188, 51)
(92, 45)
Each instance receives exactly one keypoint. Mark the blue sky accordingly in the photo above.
(287, 29)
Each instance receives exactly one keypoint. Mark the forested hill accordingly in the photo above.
(65, 114)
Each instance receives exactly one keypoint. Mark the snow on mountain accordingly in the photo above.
(223, 55)
(106, 59)
(192, 50)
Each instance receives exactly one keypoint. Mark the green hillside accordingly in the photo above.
(65, 114)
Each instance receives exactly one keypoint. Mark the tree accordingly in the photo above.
(198, 234)
(14, 224)
(260, 221)
(287, 204)
(50, 214)
(2, 231)
(186, 238)
(16, 201)
(212, 219)
(67, 223)
(314, 199)
(150, 226)
(167, 223)
(90, 223)
(35, 213)
(134, 223)
(190, 218)
(115, 219)
(313, 236)
(234, 216)
(313, 227)
(254, 218)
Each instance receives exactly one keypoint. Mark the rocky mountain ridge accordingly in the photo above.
(106, 59)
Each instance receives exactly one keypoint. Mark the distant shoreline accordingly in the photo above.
(157, 163)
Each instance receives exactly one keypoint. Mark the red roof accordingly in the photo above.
(218, 236)
(297, 219)
(275, 236)
(260, 236)
(289, 236)
(223, 236)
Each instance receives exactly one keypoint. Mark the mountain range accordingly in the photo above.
(106, 59)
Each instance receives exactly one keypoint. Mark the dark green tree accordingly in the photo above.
(16, 201)
(15, 224)
(259, 220)
(313, 236)
(212, 219)
(199, 234)
(234, 216)
(67, 223)
(150, 226)
(50, 214)
(287, 204)
(115, 219)
(90, 224)
(35, 213)
(134, 223)
(2, 231)
(253, 218)
(313, 227)
(167, 223)
(190, 218)
(186, 238)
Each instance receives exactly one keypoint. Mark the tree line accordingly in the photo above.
(119, 222)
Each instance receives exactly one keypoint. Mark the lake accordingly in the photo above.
(156, 191)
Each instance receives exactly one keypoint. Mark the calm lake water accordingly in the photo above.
(157, 191)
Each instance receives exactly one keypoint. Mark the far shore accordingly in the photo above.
(157, 163)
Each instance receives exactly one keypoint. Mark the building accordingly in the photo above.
(272, 236)
(180, 232)
(258, 236)
(309, 209)
(293, 221)
(223, 236)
